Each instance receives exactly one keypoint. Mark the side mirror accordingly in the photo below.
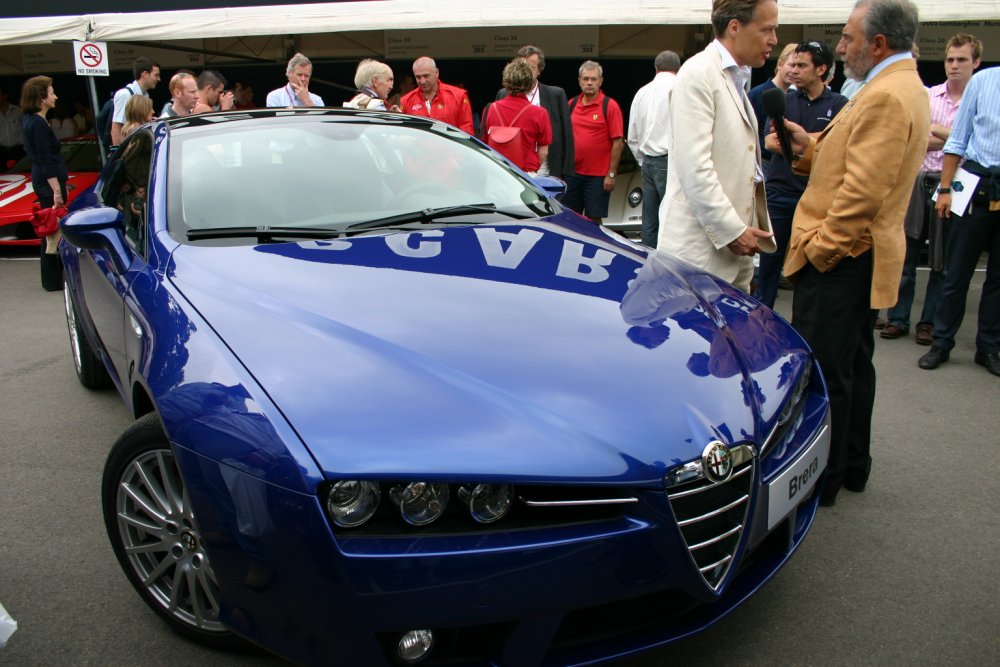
(554, 187)
(99, 228)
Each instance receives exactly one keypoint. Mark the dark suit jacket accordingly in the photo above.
(562, 158)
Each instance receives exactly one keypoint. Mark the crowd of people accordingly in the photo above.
(842, 207)
(838, 192)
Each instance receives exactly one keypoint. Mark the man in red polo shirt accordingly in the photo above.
(434, 99)
(597, 135)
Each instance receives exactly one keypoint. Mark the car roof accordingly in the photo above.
(297, 114)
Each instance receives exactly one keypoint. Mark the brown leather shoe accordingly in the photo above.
(879, 323)
(891, 331)
(925, 334)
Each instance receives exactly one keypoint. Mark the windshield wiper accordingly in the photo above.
(432, 214)
(264, 234)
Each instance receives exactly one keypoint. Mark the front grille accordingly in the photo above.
(711, 517)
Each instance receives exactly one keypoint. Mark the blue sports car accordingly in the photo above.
(394, 404)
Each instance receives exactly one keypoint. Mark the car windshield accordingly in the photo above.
(285, 179)
(79, 155)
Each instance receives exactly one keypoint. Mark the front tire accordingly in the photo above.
(155, 536)
(89, 369)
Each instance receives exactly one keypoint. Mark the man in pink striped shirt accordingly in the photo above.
(962, 56)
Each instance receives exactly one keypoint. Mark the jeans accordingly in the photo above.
(781, 209)
(900, 313)
(654, 186)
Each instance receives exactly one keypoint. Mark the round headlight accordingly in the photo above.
(415, 645)
(420, 502)
(352, 502)
(488, 502)
(635, 197)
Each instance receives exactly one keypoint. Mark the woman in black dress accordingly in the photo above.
(48, 169)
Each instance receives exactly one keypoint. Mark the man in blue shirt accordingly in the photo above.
(296, 92)
(975, 136)
(812, 105)
(782, 79)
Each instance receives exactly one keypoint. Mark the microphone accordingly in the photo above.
(773, 102)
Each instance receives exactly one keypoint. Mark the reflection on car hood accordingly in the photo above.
(506, 350)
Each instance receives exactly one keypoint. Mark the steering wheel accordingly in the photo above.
(423, 189)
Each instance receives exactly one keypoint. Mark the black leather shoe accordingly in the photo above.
(990, 360)
(934, 358)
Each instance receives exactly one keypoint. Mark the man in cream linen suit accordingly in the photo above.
(847, 246)
(714, 214)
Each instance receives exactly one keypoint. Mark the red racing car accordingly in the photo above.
(17, 195)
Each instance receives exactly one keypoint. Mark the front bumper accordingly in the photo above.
(561, 596)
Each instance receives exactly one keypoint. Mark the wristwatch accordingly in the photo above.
(611, 174)
(944, 191)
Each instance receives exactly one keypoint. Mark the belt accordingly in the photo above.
(988, 187)
(930, 181)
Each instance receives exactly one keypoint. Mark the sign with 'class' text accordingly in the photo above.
(560, 42)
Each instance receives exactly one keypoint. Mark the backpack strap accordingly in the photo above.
(493, 110)
(604, 105)
(523, 109)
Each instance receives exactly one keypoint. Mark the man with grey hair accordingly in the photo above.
(295, 93)
(373, 80)
(597, 140)
(649, 138)
(846, 250)
(561, 155)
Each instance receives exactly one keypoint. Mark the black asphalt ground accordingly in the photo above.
(903, 574)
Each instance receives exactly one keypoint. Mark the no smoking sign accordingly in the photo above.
(91, 58)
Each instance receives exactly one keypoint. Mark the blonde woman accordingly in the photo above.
(138, 112)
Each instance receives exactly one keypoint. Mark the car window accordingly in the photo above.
(329, 175)
(79, 155)
(127, 186)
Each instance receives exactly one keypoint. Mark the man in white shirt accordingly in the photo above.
(296, 93)
(147, 75)
(649, 138)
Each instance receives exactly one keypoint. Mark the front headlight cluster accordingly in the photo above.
(352, 503)
(788, 409)
(791, 416)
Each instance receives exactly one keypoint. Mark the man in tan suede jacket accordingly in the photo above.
(847, 245)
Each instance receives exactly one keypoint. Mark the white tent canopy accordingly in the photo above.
(417, 14)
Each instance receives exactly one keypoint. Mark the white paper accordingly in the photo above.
(7, 626)
(963, 186)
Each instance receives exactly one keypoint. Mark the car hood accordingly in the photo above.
(525, 351)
